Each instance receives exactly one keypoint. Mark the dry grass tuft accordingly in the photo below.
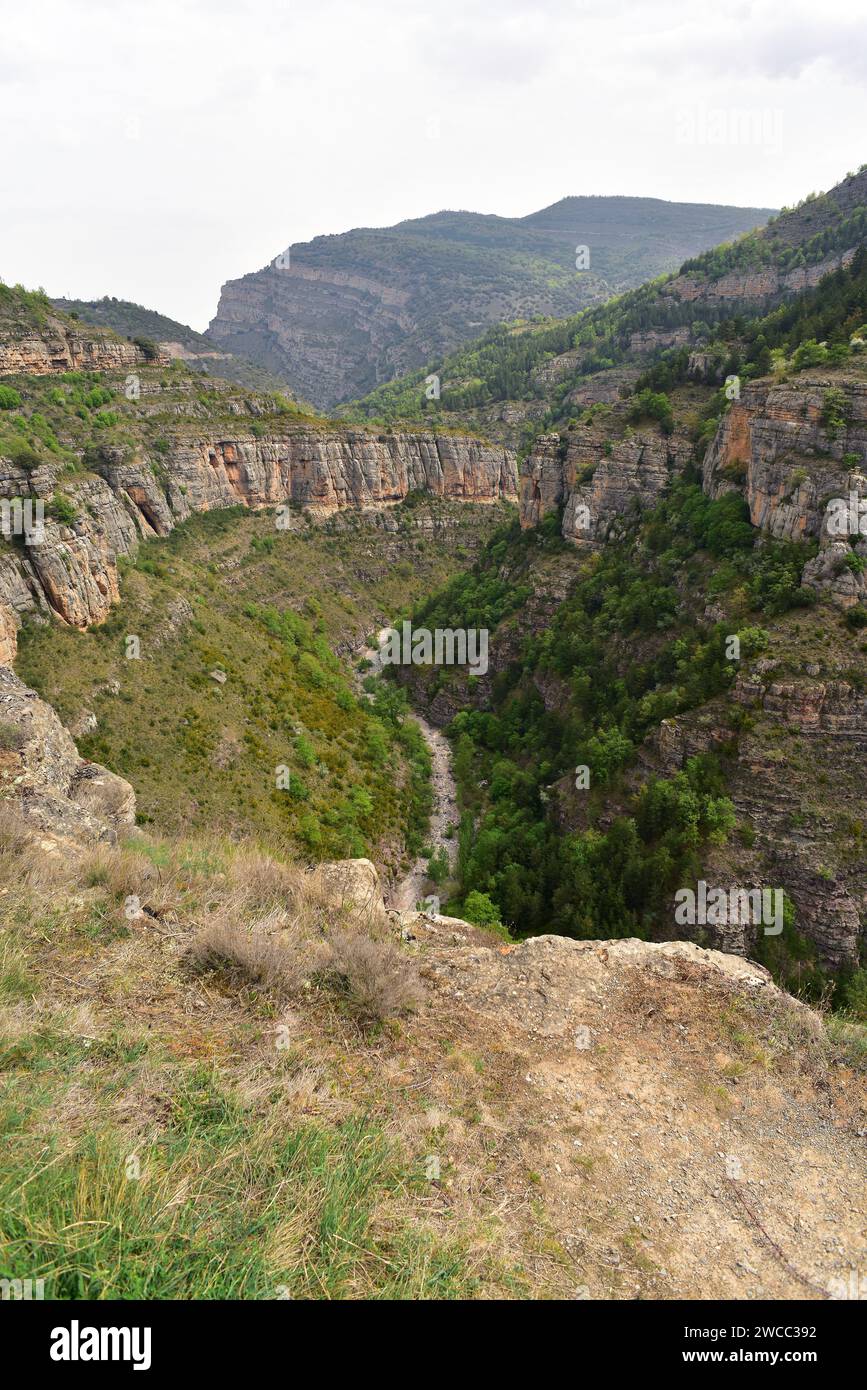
(14, 838)
(376, 979)
(255, 957)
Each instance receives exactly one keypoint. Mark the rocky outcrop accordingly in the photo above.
(653, 339)
(599, 483)
(621, 1044)
(791, 456)
(72, 571)
(803, 825)
(56, 347)
(57, 793)
(774, 445)
(8, 636)
(745, 285)
(354, 884)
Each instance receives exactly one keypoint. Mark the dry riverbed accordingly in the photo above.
(414, 886)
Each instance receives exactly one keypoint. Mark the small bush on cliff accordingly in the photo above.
(653, 405)
(21, 453)
(63, 509)
(835, 411)
(9, 398)
(856, 618)
(775, 579)
(852, 994)
(148, 347)
(374, 979)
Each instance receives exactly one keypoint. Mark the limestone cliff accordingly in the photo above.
(53, 344)
(790, 458)
(58, 793)
(745, 285)
(802, 804)
(127, 495)
(599, 482)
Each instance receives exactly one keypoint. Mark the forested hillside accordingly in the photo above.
(340, 314)
(578, 815)
(520, 379)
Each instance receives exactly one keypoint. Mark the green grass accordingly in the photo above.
(225, 1206)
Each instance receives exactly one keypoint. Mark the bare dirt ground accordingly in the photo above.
(602, 1120)
(676, 1127)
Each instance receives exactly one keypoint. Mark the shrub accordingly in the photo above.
(63, 509)
(438, 866)
(375, 979)
(835, 411)
(252, 957)
(480, 910)
(654, 405)
(9, 398)
(148, 347)
(11, 737)
(21, 453)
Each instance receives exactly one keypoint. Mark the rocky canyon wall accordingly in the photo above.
(793, 449)
(598, 482)
(128, 496)
(54, 346)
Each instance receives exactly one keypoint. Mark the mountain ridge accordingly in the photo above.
(357, 307)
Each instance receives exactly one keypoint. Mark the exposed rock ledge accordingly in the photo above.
(58, 793)
(57, 348)
(775, 447)
(598, 490)
(73, 572)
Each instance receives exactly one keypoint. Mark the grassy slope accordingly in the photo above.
(165, 1141)
(200, 753)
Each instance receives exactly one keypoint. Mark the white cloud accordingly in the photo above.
(152, 151)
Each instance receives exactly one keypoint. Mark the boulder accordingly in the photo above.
(41, 772)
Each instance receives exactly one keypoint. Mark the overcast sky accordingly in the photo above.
(154, 148)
